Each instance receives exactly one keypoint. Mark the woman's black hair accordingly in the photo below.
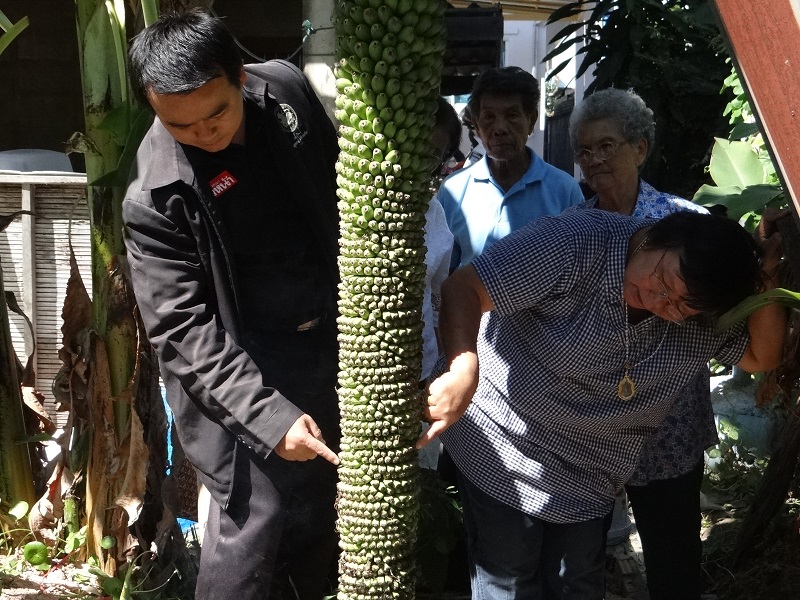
(719, 259)
(180, 52)
(447, 120)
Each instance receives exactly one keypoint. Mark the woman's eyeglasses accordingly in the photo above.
(602, 152)
(673, 312)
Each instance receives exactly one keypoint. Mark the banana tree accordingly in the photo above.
(16, 474)
(389, 62)
(105, 350)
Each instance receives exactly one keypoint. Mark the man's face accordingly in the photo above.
(503, 126)
(209, 118)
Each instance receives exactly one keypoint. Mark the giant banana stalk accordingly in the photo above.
(389, 60)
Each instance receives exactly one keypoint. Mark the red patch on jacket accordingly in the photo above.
(222, 183)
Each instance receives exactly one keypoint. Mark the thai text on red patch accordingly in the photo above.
(222, 182)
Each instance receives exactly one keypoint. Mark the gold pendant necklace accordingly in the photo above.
(626, 388)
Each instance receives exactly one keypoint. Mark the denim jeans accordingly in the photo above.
(514, 556)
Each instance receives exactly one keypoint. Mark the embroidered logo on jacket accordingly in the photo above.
(222, 183)
(287, 117)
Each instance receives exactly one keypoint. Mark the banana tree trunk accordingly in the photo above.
(16, 474)
(114, 484)
(119, 377)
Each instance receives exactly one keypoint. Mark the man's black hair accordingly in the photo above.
(505, 81)
(180, 52)
(719, 259)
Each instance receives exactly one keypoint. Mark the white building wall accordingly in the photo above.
(319, 52)
(525, 44)
(522, 47)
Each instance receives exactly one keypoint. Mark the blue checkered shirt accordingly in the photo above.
(546, 432)
(689, 428)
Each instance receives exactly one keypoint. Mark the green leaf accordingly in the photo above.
(108, 542)
(714, 194)
(561, 47)
(5, 22)
(734, 163)
(149, 11)
(567, 31)
(143, 118)
(749, 305)
(19, 510)
(12, 32)
(112, 586)
(743, 130)
(557, 70)
(116, 122)
(71, 544)
(566, 12)
(35, 553)
(739, 202)
(97, 571)
(75, 540)
(100, 60)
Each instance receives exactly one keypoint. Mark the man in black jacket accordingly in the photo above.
(232, 235)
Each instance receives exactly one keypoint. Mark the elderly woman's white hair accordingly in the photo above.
(624, 108)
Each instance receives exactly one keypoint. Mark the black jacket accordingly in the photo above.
(184, 284)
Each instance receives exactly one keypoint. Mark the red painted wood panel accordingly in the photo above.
(765, 38)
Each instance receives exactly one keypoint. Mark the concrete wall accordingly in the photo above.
(319, 50)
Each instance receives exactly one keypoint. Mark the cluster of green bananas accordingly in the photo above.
(388, 70)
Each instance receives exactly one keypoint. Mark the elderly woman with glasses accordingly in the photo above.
(611, 133)
(581, 356)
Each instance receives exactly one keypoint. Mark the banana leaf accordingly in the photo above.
(12, 30)
(749, 305)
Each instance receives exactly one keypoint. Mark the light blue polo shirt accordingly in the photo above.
(479, 212)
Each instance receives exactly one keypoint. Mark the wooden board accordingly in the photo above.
(764, 36)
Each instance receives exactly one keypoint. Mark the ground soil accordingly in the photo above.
(772, 572)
